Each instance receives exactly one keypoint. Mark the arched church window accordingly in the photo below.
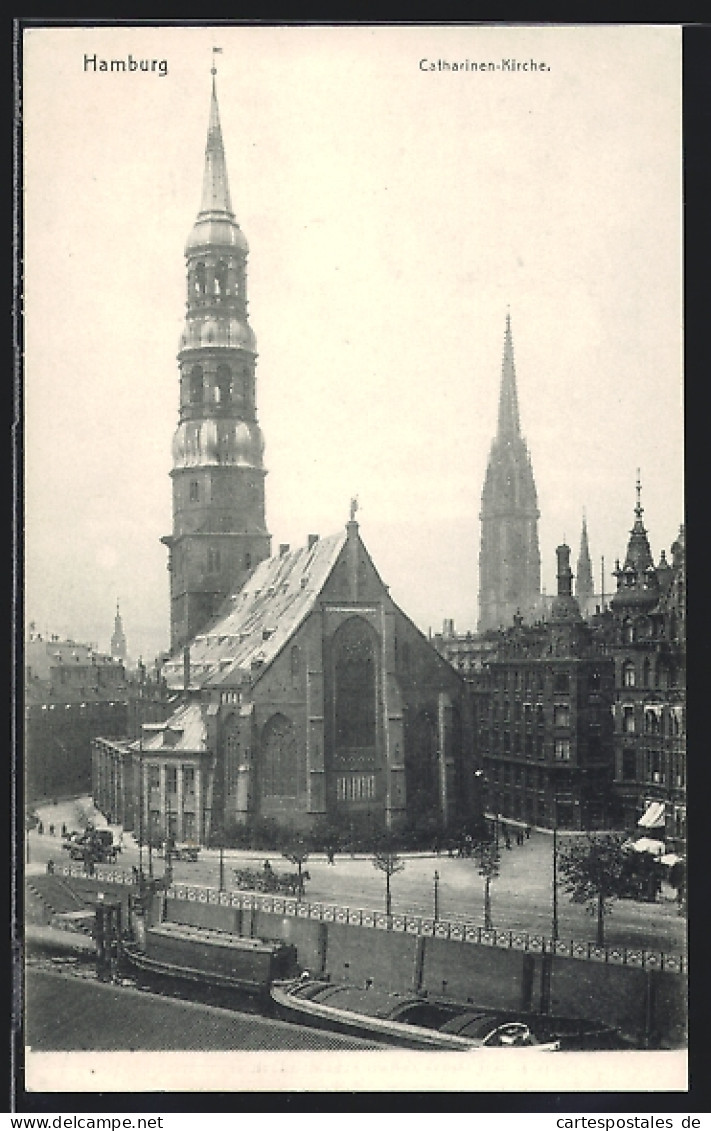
(200, 279)
(223, 383)
(279, 772)
(196, 384)
(221, 277)
(354, 685)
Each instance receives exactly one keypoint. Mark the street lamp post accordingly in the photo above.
(554, 926)
(222, 864)
(436, 896)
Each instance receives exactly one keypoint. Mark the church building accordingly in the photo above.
(302, 693)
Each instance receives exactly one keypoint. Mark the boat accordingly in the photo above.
(415, 1021)
(210, 957)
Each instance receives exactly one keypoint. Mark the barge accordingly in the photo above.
(210, 957)
(412, 1021)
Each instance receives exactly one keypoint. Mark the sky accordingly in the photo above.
(394, 213)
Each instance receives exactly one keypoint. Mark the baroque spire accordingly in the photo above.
(215, 183)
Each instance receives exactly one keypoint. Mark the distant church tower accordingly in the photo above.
(219, 529)
(584, 584)
(118, 640)
(509, 557)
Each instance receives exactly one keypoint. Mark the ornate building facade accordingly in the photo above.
(219, 530)
(645, 633)
(509, 558)
(545, 724)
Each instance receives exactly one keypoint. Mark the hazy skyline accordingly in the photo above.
(393, 214)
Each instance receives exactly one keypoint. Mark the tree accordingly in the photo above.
(594, 871)
(386, 860)
(487, 855)
(297, 853)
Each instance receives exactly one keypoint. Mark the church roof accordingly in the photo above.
(255, 623)
(185, 730)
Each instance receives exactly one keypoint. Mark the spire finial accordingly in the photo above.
(638, 510)
(215, 51)
(354, 507)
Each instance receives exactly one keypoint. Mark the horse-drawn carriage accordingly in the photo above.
(267, 880)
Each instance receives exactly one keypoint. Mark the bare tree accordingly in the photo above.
(386, 860)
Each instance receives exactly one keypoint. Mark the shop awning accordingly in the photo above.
(647, 844)
(670, 859)
(654, 816)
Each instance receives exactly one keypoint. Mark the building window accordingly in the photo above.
(355, 787)
(629, 765)
(153, 776)
(628, 720)
(279, 758)
(562, 749)
(188, 779)
(561, 683)
(171, 779)
(248, 561)
(196, 384)
(354, 685)
(200, 279)
(189, 826)
(194, 491)
(628, 674)
(627, 632)
(561, 715)
(221, 278)
(223, 384)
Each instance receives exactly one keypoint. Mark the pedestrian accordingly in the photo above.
(527, 831)
(330, 856)
(51, 830)
(40, 828)
(508, 841)
(50, 867)
(64, 829)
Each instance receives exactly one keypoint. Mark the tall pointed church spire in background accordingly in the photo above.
(509, 558)
(584, 585)
(509, 424)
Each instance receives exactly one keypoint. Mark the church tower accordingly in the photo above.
(584, 584)
(118, 639)
(219, 531)
(509, 557)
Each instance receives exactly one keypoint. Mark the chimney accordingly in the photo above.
(283, 549)
(186, 667)
(313, 539)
